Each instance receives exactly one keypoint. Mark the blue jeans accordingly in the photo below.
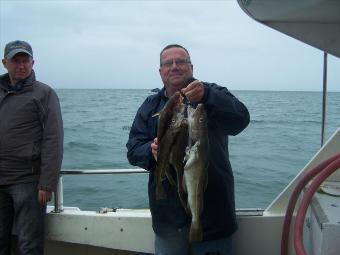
(20, 210)
(176, 242)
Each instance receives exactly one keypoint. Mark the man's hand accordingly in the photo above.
(194, 91)
(44, 196)
(154, 148)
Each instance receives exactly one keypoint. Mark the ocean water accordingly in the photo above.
(284, 133)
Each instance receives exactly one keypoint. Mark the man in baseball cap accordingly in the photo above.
(18, 60)
(31, 141)
(15, 47)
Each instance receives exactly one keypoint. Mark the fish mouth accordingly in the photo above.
(185, 100)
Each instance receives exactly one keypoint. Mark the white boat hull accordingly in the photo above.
(129, 231)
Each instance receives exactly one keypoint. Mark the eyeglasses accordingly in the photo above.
(178, 61)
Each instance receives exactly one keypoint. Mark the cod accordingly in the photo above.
(176, 160)
(195, 176)
(169, 126)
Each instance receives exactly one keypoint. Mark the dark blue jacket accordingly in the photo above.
(226, 116)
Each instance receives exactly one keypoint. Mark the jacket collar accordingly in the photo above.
(6, 84)
(163, 95)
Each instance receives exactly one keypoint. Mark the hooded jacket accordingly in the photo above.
(31, 133)
(226, 116)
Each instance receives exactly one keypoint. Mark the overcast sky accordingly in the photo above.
(116, 44)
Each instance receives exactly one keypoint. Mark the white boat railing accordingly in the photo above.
(59, 195)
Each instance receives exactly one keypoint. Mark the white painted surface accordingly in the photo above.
(325, 225)
(124, 230)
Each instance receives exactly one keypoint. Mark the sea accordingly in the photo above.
(283, 135)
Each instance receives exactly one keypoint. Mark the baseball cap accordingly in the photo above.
(15, 47)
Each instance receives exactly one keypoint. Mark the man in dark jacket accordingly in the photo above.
(226, 116)
(31, 150)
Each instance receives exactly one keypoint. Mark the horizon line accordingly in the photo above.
(264, 90)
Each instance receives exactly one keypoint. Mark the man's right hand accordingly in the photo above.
(154, 148)
(44, 196)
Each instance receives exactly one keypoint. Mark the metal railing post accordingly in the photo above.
(324, 99)
(58, 197)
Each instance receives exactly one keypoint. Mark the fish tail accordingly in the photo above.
(196, 233)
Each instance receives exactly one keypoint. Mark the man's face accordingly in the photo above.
(19, 67)
(175, 69)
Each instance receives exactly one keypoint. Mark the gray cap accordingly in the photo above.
(15, 47)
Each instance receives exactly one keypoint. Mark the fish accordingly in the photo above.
(176, 160)
(169, 126)
(195, 177)
(174, 113)
(183, 145)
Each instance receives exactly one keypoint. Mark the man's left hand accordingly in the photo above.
(194, 91)
(44, 196)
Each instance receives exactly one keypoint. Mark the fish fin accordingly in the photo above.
(183, 197)
(186, 207)
(183, 200)
(184, 186)
(196, 233)
(191, 156)
(170, 178)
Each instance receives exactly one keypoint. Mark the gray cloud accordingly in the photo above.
(116, 44)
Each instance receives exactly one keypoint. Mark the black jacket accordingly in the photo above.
(31, 133)
(226, 116)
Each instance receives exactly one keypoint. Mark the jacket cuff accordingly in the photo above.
(44, 188)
